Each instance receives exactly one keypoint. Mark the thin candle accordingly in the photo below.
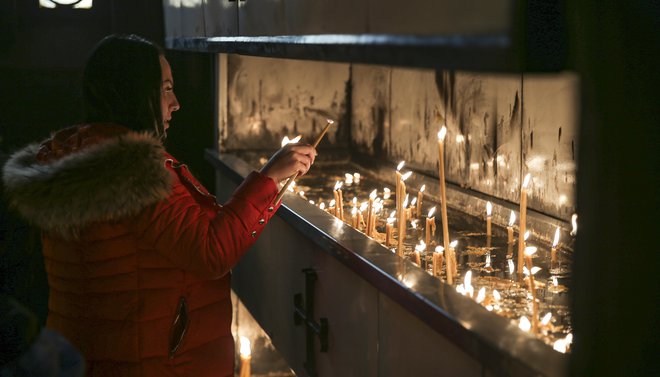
(370, 211)
(418, 251)
(437, 260)
(509, 229)
(443, 195)
(329, 122)
(529, 251)
(420, 198)
(398, 196)
(451, 262)
(246, 356)
(402, 214)
(389, 240)
(340, 200)
(354, 218)
(430, 226)
(523, 219)
(413, 208)
(489, 217)
(553, 250)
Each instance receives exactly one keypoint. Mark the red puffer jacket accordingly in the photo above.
(138, 253)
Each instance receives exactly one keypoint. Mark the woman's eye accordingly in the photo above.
(168, 89)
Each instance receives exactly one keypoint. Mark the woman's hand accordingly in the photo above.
(291, 159)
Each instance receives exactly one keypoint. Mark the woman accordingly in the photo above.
(138, 253)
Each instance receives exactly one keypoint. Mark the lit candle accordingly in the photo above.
(322, 206)
(246, 355)
(335, 194)
(546, 319)
(388, 229)
(481, 295)
(331, 207)
(363, 207)
(574, 223)
(437, 260)
(418, 251)
(451, 262)
(467, 284)
(348, 179)
(509, 229)
(340, 201)
(443, 195)
(420, 198)
(356, 178)
(406, 208)
(402, 214)
(430, 226)
(378, 207)
(523, 219)
(370, 211)
(413, 208)
(553, 251)
(524, 324)
(489, 216)
(529, 251)
(386, 193)
(354, 218)
(399, 197)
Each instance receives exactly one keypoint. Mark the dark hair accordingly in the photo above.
(122, 83)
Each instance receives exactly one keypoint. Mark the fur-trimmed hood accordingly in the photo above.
(110, 173)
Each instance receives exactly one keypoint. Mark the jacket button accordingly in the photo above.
(254, 233)
(270, 209)
(262, 221)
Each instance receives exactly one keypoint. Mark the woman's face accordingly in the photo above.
(168, 101)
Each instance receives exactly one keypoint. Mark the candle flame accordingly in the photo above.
(406, 176)
(442, 133)
(496, 295)
(363, 206)
(398, 167)
(405, 201)
(512, 218)
(546, 319)
(560, 346)
(481, 296)
(322, 205)
(422, 188)
(467, 281)
(574, 222)
(412, 202)
(556, 240)
(356, 177)
(526, 235)
(524, 324)
(431, 212)
(453, 244)
(354, 211)
(569, 338)
(332, 203)
(391, 220)
(392, 214)
(526, 180)
(414, 224)
(554, 281)
(530, 250)
(489, 208)
(348, 178)
(373, 194)
(354, 201)
(460, 138)
(330, 121)
(311, 202)
(511, 266)
(439, 249)
(302, 194)
(487, 260)
(245, 350)
(421, 246)
(286, 140)
(338, 185)
(386, 193)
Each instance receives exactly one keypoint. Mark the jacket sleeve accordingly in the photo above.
(182, 230)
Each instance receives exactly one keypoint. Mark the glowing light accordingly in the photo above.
(546, 319)
(453, 244)
(354, 211)
(245, 350)
(406, 176)
(392, 215)
(467, 282)
(487, 261)
(338, 185)
(421, 189)
(414, 224)
(574, 222)
(431, 212)
(421, 246)
(511, 266)
(562, 199)
(373, 194)
(512, 218)
(286, 140)
(489, 208)
(556, 240)
(405, 201)
(524, 324)
(322, 205)
(311, 202)
(439, 249)
(363, 206)
(348, 179)
(332, 203)
(412, 203)
(496, 295)
(386, 193)
(526, 180)
(354, 201)
(560, 346)
(398, 167)
(302, 194)
(530, 250)
(356, 178)
(554, 281)
(526, 235)
(481, 296)
(460, 139)
(442, 133)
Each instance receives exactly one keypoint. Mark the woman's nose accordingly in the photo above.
(175, 104)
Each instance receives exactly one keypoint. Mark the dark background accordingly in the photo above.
(613, 46)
